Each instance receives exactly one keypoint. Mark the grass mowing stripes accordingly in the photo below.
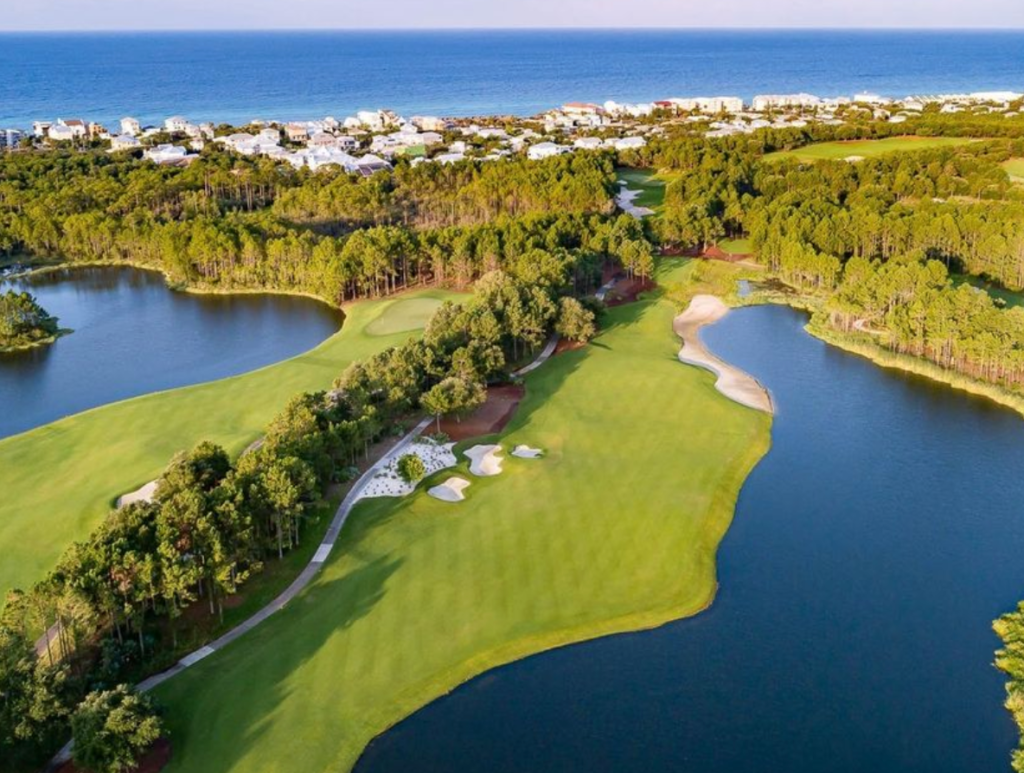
(615, 529)
(58, 481)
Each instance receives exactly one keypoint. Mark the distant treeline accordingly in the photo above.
(232, 222)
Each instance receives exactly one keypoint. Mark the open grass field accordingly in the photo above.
(1015, 169)
(736, 246)
(405, 315)
(650, 184)
(615, 529)
(835, 151)
(58, 481)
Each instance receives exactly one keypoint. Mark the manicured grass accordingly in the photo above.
(651, 185)
(615, 529)
(1015, 169)
(1009, 297)
(866, 148)
(404, 315)
(736, 246)
(58, 481)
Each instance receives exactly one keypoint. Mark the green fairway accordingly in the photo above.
(58, 481)
(404, 315)
(865, 148)
(650, 184)
(736, 246)
(615, 529)
(1015, 169)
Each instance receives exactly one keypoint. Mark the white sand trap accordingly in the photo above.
(451, 490)
(625, 199)
(525, 452)
(484, 461)
(732, 382)
(388, 483)
(144, 494)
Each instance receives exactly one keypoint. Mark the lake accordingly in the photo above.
(133, 335)
(871, 549)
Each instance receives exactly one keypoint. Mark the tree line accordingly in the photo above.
(111, 608)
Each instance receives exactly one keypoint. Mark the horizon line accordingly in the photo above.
(566, 28)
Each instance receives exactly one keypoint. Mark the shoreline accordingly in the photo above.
(42, 342)
(732, 382)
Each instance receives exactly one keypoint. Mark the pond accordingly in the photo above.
(871, 549)
(134, 335)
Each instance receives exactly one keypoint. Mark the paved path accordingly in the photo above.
(738, 385)
(311, 569)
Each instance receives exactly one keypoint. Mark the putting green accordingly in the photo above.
(404, 315)
(60, 480)
(836, 151)
(615, 529)
(1015, 169)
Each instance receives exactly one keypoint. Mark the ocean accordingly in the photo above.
(237, 77)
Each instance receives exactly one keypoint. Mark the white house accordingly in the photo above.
(61, 133)
(545, 150)
(124, 142)
(450, 158)
(41, 128)
(130, 127)
(630, 143)
(588, 143)
(167, 154)
(296, 132)
(764, 102)
(176, 124)
(708, 104)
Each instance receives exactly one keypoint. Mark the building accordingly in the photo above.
(588, 143)
(41, 128)
(771, 101)
(710, 105)
(630, 143)
(98, 132)
(176, 124)
(10, 138)
(124, 142)
(60, 132)
(296, 132)
(131, 127)
(545, 150)
(582, 108)
(169, 154)
(429, 123)
(77, 128)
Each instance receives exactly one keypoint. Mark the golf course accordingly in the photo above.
(649, 183)
(62, 478)
(837, 151)
(614, 529)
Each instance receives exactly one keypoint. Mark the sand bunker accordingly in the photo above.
(732, 382)
(525, 452)
(484, 461)
(451, 490)
(144, 494)
(388, 483)
(625, 199)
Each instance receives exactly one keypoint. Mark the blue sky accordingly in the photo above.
(268, 14)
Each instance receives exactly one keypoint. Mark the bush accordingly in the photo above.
(411, 468)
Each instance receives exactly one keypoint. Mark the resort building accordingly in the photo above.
(176, 124)
(771, 101)
(708, 104)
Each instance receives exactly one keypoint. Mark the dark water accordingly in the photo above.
(133, 335)
(871, 550)
(283, 75)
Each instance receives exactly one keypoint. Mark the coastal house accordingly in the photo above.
(176, 124)
(764, 102)
(582, 108)
(269, 135)
(429, 123)
(60, 132)
(130, 127)
(323, 140)
(168, 155)
(124, 142)
(630, 143)
(588, 143)
(369, 165)
(450, 158)
(41, 128)
(709, 105)
(10, 138)
(346, 142)
(296, 132)
(544, 150)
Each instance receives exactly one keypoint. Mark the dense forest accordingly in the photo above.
(227, 221)
(23, 322)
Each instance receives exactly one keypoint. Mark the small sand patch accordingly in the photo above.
(484, 461)
(525, 452)
(144, 494)
(451, 490)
